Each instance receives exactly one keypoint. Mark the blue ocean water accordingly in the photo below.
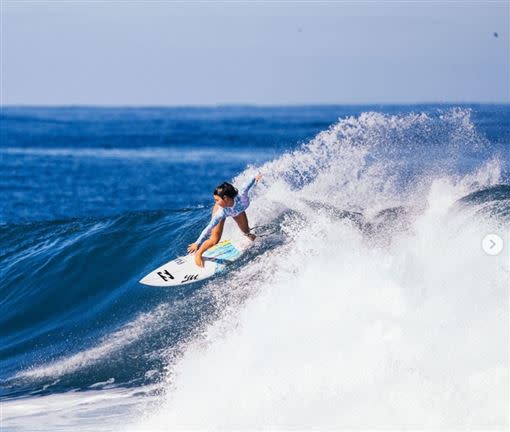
(95, 198)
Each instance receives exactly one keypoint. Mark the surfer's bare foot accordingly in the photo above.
(251, 236)
(198, 260)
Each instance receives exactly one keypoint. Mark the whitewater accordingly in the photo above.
(368, 303)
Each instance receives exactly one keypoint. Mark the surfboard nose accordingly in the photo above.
(144, 280)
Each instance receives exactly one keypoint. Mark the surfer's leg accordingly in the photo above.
(215, 237)
(242, 222)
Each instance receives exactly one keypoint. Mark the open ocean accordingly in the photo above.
(367, 301)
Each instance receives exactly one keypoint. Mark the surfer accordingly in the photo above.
(228, 202)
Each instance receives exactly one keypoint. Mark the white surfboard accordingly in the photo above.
(183, 270)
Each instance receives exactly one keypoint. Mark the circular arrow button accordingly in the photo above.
(492, 244)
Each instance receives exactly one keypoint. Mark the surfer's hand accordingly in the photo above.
(258, 177)
(192, 247)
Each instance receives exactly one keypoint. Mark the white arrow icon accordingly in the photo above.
(492, 244)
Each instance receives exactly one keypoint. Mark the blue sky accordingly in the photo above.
(207, 53)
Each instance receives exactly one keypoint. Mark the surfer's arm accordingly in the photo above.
(248, 186)
(215, 220)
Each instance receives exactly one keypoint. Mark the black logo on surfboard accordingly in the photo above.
(165, 275)
(188, 278)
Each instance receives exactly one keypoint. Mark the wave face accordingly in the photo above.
(368, 301)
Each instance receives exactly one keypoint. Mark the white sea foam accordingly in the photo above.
(90, 411)
(344, 332)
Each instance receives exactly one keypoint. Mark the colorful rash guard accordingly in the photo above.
(241, 203)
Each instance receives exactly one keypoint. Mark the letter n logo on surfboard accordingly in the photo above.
(165, 275)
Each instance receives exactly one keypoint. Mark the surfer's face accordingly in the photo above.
(224, 202)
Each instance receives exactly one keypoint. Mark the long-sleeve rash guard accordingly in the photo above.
(241, 203)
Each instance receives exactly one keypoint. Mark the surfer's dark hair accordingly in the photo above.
(225, 190)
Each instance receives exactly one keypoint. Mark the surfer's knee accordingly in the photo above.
(242, 222)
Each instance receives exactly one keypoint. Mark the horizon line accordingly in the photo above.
(247, 105)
